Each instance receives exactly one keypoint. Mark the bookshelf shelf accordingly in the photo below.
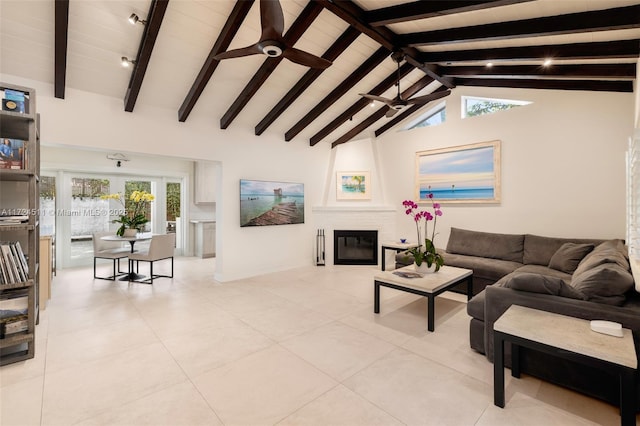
(19, 242)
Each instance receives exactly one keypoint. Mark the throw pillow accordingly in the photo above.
(612, 251)
(605, 283)
(542, 284)
(568, 256)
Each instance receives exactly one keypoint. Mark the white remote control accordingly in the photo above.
(607, 327)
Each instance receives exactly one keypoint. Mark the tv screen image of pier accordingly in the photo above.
(271, 203)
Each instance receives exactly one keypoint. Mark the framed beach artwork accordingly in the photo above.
(270, 203)
(353, 186)
(461, 174)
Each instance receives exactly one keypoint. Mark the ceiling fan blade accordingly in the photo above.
(428, 98)
(376, 98)
(271, 20)
(304, 58)
(391, 112)
(237, 53)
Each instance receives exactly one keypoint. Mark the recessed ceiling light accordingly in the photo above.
(546, 62)
(489, 64)
(372, 104)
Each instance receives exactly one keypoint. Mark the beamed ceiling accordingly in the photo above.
(593, 45)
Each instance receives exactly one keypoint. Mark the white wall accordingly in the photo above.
(563, 163)
(88, 120)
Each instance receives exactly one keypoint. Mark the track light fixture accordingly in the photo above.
(134, 19)
(126, 62)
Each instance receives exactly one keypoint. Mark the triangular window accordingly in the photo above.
(472, 107)
(434, 116)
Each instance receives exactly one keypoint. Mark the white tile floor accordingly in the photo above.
(300, 347)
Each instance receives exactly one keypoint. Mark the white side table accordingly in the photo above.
(396, 246)
(569, 338)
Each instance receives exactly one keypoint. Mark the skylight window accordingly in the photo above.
(433, 117)
(472, 107)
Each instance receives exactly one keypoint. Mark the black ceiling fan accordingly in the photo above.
(271, 41)
(398, 103)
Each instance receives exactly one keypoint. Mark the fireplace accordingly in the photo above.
(355, 247)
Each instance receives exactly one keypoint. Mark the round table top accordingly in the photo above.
(138, 237)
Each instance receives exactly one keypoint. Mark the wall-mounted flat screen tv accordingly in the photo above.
(271, 203)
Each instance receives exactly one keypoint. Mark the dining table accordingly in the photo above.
(142, 236)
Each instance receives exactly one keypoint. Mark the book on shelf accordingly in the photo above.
(13, 264)
(12, 154)
(13, 219)
(15, 101)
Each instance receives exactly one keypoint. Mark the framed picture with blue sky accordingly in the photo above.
(460, 174)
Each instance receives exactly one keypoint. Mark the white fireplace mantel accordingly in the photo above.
(380, 218)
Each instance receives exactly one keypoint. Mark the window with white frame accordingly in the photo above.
(432, 117)
(475, 106)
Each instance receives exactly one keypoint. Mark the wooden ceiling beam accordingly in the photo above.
(428, 9)
(60, 54)
(229, 31)
(300, 25)
(347, 84)
(620, 49)
(605, 71)
(404, 114)
(573, 23)
(354, 15)
(367, 122)
(151, 30)
(361, 103)
(339, 46)
(590, 85)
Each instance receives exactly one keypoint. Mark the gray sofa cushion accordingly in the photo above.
(604, 283)
(490, 269)
(568, 256)
(485, 244)
(539, 250)
(543, 284)
(611, 251)
(545, 270)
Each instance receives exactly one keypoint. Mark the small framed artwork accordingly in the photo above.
(353, 186)
(460, 174)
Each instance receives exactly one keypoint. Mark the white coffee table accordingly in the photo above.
(569, 338)
(428, 285)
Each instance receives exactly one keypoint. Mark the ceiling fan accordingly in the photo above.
(271, 41)
(398, 103)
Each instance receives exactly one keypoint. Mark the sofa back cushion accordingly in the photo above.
(569, 256)
(485, 244)
(604, 274)
(610, 251)
(539, 250)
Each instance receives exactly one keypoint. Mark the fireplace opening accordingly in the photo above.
(355, 247)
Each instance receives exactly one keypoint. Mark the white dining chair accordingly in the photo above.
(111, 250)
(161, 247)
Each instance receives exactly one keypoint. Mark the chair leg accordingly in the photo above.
(114, 268)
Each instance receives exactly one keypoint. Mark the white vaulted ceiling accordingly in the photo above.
(99, 35)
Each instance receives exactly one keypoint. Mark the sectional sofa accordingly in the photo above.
(583, 278)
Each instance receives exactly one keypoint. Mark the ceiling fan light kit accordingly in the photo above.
(398, 103)
(272, 42)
